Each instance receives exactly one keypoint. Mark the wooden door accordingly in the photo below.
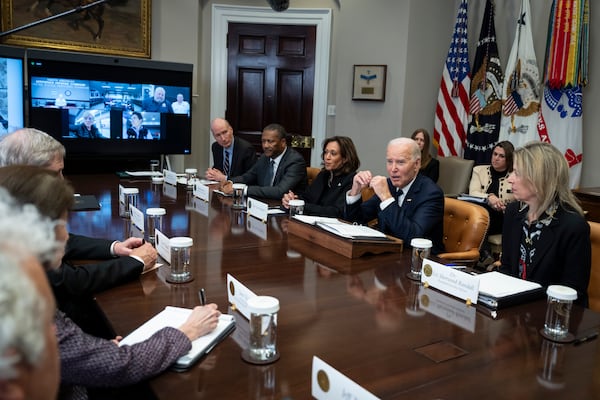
(270, 79)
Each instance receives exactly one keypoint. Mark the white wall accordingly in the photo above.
(410, 36)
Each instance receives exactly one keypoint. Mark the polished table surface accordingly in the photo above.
(363, 316)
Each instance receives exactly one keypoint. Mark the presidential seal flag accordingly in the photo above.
(565, 75)
(486, 93)
(451, 113)
(520, 96)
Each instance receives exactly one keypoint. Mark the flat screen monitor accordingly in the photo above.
(12, 104)
(105, 106)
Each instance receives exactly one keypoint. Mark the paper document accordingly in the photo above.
(471, 198)
(498, 285)
(175, 317)
(144, 173)
(309, 219)
(352, 231)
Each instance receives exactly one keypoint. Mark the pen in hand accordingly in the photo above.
(202, 296)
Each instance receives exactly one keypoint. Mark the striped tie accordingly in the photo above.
(226, 163)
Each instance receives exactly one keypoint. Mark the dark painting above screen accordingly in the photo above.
(12, 104)
(107, 106)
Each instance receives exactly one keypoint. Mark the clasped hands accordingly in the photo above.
(378, 183)
(134, 246)
(496, 203)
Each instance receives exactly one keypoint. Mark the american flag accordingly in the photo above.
(451, 112)
(477, 102)
(513, 103)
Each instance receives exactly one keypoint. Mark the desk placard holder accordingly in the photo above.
(350, 248)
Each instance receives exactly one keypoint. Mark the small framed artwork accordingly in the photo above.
(369, 82)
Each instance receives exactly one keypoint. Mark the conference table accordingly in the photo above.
(362, 316)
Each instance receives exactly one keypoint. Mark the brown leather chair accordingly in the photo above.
(455, 175)
(311, 173)
(594, 286)
(465, 227)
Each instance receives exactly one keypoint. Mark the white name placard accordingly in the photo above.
(137, 217)
(330, 384)
(121, 194)
(201, 191)
(163, 247)
(448, 308)
(170, 191)
(238, 295)
(258, 209)
(200, 206)
(170, 177)
(449, 280)
(257, 227)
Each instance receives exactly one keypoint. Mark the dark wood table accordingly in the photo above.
(590, 202)
(362, 316)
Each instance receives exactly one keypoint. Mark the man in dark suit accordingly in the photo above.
(232, 156)
(277, 171)
(158, 102)
(407, 205)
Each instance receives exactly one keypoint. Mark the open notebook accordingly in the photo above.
(175, 317)
(343, 229)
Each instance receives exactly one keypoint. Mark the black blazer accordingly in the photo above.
(421, 214)
(324, 200)
(563, 253)
(291, 175)
(243, 158)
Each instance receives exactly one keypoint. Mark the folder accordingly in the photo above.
(85, 203)
(498, 290)
(175, 317)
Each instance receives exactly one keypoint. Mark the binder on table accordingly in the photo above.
(498, 290)
(175, 317)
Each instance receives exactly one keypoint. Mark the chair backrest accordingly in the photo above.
(311, 173)
(455, 174)
(465, 227)
(594, 286)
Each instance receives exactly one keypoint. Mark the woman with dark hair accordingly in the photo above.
(490, 181)
(326, 194)
(137, 130)
(430, 166)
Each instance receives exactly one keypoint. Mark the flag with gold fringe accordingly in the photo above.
(451, 113)
(521, 89)
(565, 74)
(485, 103)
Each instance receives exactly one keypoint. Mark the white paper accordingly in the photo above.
(496, 284)
(471, 198)
(351, 231)
(310, 219)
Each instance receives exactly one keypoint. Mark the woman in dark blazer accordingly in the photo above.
(326, 195)
(545, 237)
(430, 167)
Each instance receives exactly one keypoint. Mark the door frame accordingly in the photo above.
(222, 15)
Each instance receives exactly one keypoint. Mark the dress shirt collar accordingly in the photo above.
(277, 160)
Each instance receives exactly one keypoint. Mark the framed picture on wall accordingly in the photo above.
(369, 82)
(121, 28)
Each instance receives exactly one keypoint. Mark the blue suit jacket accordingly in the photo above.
(421, 214)
(291, 175)
(243, 158)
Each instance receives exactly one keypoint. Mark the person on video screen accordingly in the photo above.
(87, 129)
(137, 130)
(158, 102)
(180, 106)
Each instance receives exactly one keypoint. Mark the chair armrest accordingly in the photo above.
(467, 256)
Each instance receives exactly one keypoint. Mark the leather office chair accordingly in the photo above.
(455, 174)
(311, 173)
(465, 227)
(594, 286)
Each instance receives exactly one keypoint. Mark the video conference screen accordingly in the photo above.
(133, 106)
(11, 90)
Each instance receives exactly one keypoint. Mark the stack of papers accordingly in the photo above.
(474, 199)
(498, 290)
(343, 229)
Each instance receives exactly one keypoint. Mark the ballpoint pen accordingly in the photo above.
(202, 296)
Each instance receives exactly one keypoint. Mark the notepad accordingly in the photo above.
(175, 317)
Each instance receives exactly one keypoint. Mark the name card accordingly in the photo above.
(201, 191)
(170, 177)
(330, 384)
(200, 206)
(449, 280)
(163, 247)
(448, 308)
(137, 217)
(121, 194)
(238, 295)
(170, 191)
(257, 227)
(258, 209)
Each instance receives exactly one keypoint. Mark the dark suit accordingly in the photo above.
(324, 199)
(290, 175)
(74, 286)
(562, 255)
(421, 214)
(242, 159)
(90, 361)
